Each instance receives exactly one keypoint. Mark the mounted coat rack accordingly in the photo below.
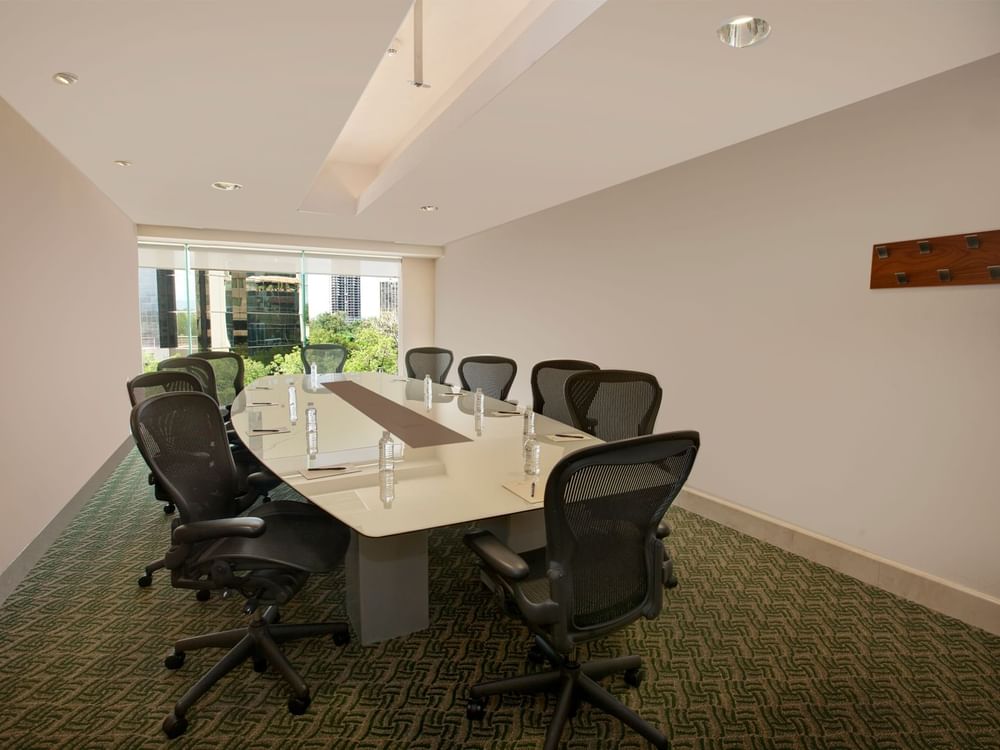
(972, 258)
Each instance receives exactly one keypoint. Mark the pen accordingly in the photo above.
(499, 411)
(532, 489)
(569, 435)
(327, 468)
(255, 430)
(263, 403)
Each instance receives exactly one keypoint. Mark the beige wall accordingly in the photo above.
(70, 320)
(416, 305)
(741, 280)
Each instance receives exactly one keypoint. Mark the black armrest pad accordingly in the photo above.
(497, 555)
(199, 531)
(663, 529)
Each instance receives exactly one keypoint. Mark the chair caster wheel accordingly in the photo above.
(672, 582)
(298, 706)
(342, 639)
(174, 661)
(203, 595)
(169, 508)
(277, 619)
(260, 666)
(634, 677)
(145, 581)
(475, 709)
(174, 726)
(535, 655)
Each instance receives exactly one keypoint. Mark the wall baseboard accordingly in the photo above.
(23, 563)
(965, 604)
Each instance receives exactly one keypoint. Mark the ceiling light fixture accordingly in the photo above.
(429, 208)
(418, 46)
(744, 31)
(65, 79)
(227, 185)
(123, 162)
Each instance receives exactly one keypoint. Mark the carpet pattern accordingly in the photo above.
(756, 648)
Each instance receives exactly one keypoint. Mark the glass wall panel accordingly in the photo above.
(263, 304)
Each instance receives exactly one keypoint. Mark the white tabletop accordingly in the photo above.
(435, 486)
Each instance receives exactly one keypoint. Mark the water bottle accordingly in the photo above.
(529, 423)
(386, 451)
(314, 375)
(478, 420)
(312, 429)
(532, 457)
(480, 402)
(293, 411)
(387, 486)
(428, 392)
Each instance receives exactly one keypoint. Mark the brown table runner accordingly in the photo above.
(415, 429)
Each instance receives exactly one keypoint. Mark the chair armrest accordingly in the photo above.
(663, 529)
(200, 531)
(504, 561)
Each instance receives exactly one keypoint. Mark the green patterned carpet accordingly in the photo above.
(757, 648)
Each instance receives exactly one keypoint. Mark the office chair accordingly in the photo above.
(266, 557)
(598, 572)
(228, 368)
(150, 384)
(495, 375)
(615, 405)
(199, 368)
(429, 360)
(141, 388)
(547, 381)
(328, 357)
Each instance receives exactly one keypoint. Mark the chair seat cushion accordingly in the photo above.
(298, 536)
(536, 586)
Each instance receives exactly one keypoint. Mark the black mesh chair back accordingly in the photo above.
(548, 379)
(150, 384)
(328, 357)
(495, 375)
(428, 360)
(228, 368)
(183, 439)
(613, 404)
(199, 368)
(602, 508)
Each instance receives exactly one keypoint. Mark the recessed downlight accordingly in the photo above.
(222, 185)
(65, 79)
(122, 162)
(744, 31)
(429, 208)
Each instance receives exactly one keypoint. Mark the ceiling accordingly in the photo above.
(587, 95)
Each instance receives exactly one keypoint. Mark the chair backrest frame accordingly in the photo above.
(548, 381)
(613, 404)
(223, 366)
(603, 505)
(432, 360)
(321, 354)
(183, 440)
(161, 381)
(200, 368)
(494, 374)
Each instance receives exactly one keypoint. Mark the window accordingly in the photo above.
(264, 304)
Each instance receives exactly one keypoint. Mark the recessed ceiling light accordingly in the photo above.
(123, 162)
(65, 79)
(744, 31)
(428, 208)
(227, 185)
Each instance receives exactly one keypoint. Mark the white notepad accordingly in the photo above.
(523, 490)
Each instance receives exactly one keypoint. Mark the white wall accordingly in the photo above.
(416, 305)
(741, 280)
(71, 330)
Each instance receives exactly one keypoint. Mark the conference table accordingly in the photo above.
(458, 468)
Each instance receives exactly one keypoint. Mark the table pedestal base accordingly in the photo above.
(387, 586)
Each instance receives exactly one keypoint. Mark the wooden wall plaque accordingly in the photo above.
(971, 258)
